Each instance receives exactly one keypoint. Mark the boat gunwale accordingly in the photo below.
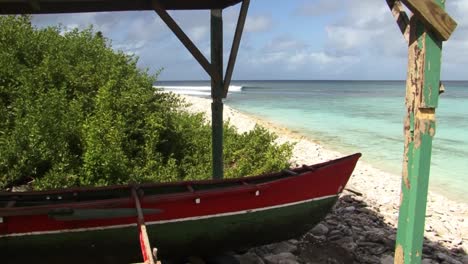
(316, 166)
(166, 197)
(153, 198)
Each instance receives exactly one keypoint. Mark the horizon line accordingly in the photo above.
(337, 80)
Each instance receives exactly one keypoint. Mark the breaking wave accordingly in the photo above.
(197, 90)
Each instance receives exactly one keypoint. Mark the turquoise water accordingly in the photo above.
(359, 116)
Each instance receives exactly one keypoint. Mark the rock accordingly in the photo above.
(335, 237)
(388, 241)
(464, 246)
(368, 259)
(387, 259)
(375, 235)
(348, 232)
(427, 249)
(453, 261)
(320, 238)
(350, 209)
(465, 259)
(346, 243)
(446, 258)
(320, 230)
(284, 247)
(249, 258)
(441, 256)
(427, 261)
(335, 233)
(21, 188)
(331, 222)
(282, 258)
(225, 258)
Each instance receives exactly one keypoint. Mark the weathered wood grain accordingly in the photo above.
(422, 92)
(400, 16)
(433, 16)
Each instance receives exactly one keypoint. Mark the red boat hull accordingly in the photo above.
(191, 217)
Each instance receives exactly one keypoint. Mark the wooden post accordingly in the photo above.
(217, 91)
(422, 93)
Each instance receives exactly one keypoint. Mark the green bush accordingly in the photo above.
(74, 112)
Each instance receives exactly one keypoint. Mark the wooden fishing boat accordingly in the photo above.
(199, 217)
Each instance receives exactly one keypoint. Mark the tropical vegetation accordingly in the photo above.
(75, 112)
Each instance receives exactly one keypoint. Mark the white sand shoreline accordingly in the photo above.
(446, 221)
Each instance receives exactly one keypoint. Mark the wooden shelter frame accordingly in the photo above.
(424, 31)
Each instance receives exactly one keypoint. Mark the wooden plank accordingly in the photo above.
(10, 204)
(75, 6)
(144, 240)
(433, 16)
(196, 53)
(422, 92)
(190, 188)
(217, 93)
(35, 5)
(290, 172)
(400, 16)
(235, 45)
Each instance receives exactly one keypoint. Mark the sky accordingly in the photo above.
(282, 40)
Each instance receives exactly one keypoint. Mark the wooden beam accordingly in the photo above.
(235, 45)
(433, 16)
(186, 41)
(217, 93)
(422, 93)
(35, 5)
(400, 16)
(144, 240)
(12, 7)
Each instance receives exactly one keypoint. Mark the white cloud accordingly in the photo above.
(367, 28)
(258, 23)
(361, 33)
(287, 54)
(199, 33)
(318, 8)
(455, 50)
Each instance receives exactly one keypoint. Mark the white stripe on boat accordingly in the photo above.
(193, 218)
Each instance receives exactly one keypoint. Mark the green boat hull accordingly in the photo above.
(193, 237)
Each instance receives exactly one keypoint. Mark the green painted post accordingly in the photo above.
(422, 94)
(217, 93)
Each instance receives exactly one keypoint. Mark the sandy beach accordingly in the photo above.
(446, 222)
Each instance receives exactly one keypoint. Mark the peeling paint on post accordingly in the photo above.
(422, 94)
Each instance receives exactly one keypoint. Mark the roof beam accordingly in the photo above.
(186, 41)
(433, 16)
(400, 16)
(35, 5)
(75, 6)
(235, 45)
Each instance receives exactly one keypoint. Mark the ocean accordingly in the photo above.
(357, 116)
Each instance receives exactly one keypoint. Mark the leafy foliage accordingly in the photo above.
(74, 112)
